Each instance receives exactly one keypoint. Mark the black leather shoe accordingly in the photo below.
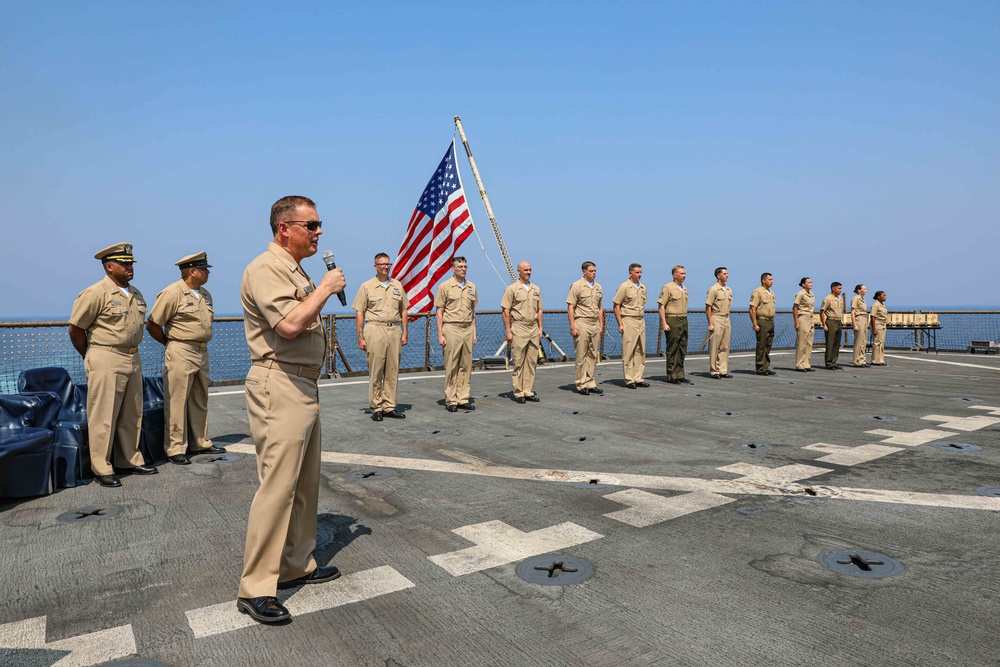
(770, 373)
(716, 376)
(685, 381)
(533, 398)
(210, 450)
(811, 369)
(265, 609)
(376, 416)
(107, 480)
(727, 375)
(630, 385)
(519, 399)
(596, 390)
(317, 576)
(583, 392)
(180, 459)
(803, 370)
(466, 406)
(138, 470)
(452, 408)
(392, 414)
(673, 381)
(761, 372)
(642, 384)
(832, 368)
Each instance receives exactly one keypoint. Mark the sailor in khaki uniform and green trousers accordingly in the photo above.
(105, 327)
(717, 305)
(879, 317)
(673, 320)
(287, 341)
(630, 305)
(859, 322)
(805, 326)
(381, 305)
(831, 316)
(181, 319)
(522, 318)
(586, 322)
(762, 319)
(455, 314)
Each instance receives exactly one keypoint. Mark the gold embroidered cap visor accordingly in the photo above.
(119, 252)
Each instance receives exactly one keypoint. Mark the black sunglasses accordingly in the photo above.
(311, 225)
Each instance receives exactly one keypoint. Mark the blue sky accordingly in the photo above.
(845, 141)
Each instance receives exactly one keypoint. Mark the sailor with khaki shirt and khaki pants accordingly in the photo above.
(586, 322)
(381, 305)
(805, 325)
(879, 317)
(673, 302)
(181, 319)
(630, 312)
(762, 319)
(718, 303)
(105, 327)
(522, 319)
(859, 322)
(287, 341)
(455, 314)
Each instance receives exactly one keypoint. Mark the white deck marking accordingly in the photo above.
(85, 650)
(849, 456)
(499, 544)
(911, 438)
(647, 509)
(464, 458)
(348, 589)
(939, 361)
(993, 410)
(779, 476)
(964, 423)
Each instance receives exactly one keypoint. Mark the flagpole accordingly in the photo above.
(486, 200)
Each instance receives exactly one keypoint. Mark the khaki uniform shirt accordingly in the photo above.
(879, 312)
(763, 300)
(806, 301)
(523, 304)
(720, 299)
(182, 315)
(110, 316)
(674, 299)
(381, 304)
(858, 305)
(273, 285)
(456, 302)
(631, 299)
(833, 307)
(585, 299)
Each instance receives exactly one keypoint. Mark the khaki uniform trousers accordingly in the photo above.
(804, 341)
(587, 346)
(185, 405)
(861, 341)
(524, 349)
(114, 408)
(718, 345)
(833, 329)
(383, 342)
(878, 346)
(765, 339)
(677, 342)
(457, 362)
(283, 411)
(633, 348)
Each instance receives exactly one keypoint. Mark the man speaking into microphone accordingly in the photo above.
(287, 341)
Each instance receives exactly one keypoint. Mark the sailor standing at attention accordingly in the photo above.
(586, 322)
(717, 305)
(630, 303)
(673, 320)
(105, 327)
(831, 316)
(181, 319)
(762, 319)
(455, 315)
(879, 317)
(859, 322)
(805, 326)
(381, 305)
(522, 318)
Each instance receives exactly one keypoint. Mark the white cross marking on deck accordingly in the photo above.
(911, 438)
(498, 544)
(84, 650)
(647, 509)
(348, 589)
(849, 456)
(779, 476)
(964, 423)
(993, 410)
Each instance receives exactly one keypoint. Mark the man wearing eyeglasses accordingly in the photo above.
(381, 305)
(287, 341)
(455, 314)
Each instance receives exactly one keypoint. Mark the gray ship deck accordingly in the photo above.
(685, 572)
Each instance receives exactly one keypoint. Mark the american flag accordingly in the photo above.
(439, 225)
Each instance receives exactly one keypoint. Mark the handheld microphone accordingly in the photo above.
(330, 266)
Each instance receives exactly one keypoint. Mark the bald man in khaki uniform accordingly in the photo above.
(455, 314)
(762, 319)
(879, 317)
(859, 322)
(287, 341)
(718, 303)
(181, 319)
(630, 302)
(381, 305)
(586, 322)
(831, 317)
(673, 321)
(105, 327)
(805, 326)
(522, 318)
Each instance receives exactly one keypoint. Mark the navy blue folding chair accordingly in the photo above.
(152, 437)
(72, 452)
(26, 450)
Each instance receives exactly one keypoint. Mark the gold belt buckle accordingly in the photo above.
(133, 350)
